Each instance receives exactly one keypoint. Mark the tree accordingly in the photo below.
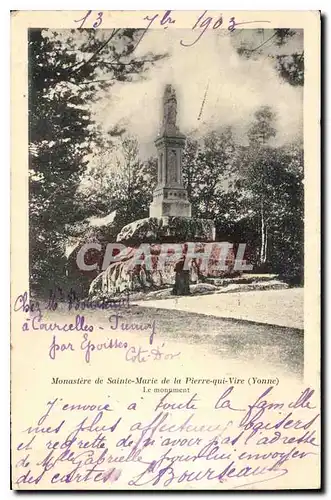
(256, 162)
(286, 218)
(289, 64)
(119, 180)
(67, 71)
(254, 193)
(135, 181)
(207, 168)
(262, 129)
(272, 184)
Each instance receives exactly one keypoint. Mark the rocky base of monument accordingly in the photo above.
(101, 231)
(167, 229)
(227, 284)
(155, 273)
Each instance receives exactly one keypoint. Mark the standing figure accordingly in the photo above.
(169, 108)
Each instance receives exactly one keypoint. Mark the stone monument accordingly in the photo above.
(170, 196)
(170, 217)
(170, 221)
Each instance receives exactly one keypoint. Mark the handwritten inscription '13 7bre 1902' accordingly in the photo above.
(86, 442)
(167, 18)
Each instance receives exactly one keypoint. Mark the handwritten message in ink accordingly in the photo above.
(175, 444)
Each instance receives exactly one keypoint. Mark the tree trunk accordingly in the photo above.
(264, 231)
(265, 242)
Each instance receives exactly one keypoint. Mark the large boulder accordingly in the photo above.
(101, 230)
(135, 271)
(167, 229)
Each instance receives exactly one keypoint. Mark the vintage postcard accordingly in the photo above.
(165, 298)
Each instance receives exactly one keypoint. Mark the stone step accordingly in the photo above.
(243, 279)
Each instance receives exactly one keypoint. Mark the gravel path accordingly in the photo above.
(272, 307)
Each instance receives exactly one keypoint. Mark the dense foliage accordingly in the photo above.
(254, 193)
(67, 70)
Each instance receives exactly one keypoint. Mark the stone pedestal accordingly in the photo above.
(170, 203)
